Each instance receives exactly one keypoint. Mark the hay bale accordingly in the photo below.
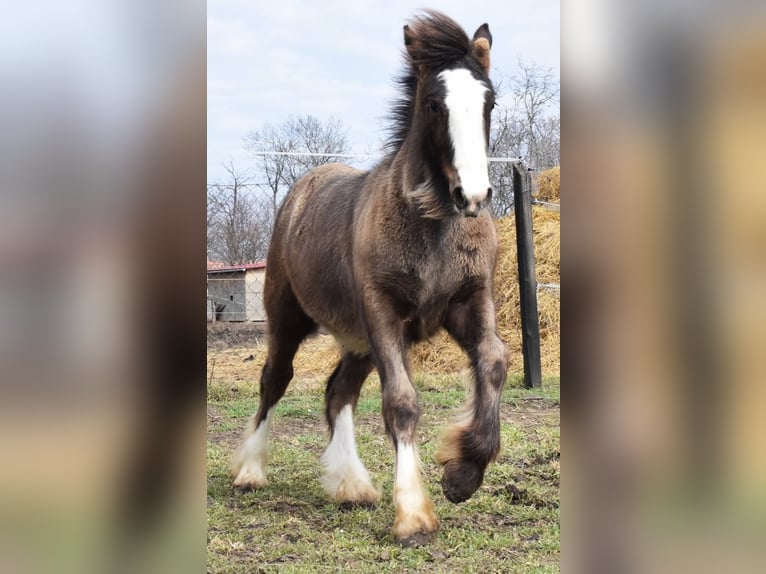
(546, 227)
(548, 185)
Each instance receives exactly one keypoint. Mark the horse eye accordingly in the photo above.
(433, 106)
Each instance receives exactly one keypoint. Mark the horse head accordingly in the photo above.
(452, 100)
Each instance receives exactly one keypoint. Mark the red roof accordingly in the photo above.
(218, 267)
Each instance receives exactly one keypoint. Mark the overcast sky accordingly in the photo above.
(338, 58)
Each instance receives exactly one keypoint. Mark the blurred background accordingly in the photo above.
(102, 183)
(663, 255)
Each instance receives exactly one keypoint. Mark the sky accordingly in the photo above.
(268, 61)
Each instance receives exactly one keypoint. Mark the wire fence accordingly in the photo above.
(235, 295)
(354, 156)
(361, 157)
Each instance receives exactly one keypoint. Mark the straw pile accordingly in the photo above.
(548, 184)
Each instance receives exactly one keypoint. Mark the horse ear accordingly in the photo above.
(409, 41)
(480, 45)
(414, 46)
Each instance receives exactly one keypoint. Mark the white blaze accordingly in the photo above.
(465, 104)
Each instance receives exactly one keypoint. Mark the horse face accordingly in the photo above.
(465, 115)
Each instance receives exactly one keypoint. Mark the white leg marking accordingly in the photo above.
(465, 103)
(408, 489)
(253, 455)
(414, 509)
(345, 478)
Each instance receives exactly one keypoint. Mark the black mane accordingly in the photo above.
(439, 42)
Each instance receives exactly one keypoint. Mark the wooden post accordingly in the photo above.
(530, 328)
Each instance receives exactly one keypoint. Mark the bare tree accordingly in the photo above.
(241, 209)
(238, 220)
(528, 126)
(301, 135)
(549, 142)
(534, 91)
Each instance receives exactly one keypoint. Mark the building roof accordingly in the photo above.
(217, 267)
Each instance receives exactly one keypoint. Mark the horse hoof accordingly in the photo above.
(352, 494)
(249, 478)
(415, 529)
(461, 479)
(417, 539)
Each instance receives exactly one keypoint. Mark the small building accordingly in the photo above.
(235, 292)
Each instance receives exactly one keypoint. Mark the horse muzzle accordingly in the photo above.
(470, 205)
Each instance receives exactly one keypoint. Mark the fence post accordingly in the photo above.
(530, 328)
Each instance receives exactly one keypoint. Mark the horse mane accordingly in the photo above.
(438, 41)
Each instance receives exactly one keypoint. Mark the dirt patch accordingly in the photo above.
(228, 439)
(529, 414)
(226, 335)
(518, 495)
(285, 427)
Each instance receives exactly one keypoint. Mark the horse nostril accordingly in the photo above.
(459, 197)
(489, 193)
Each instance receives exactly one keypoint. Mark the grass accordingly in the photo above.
(511, 524)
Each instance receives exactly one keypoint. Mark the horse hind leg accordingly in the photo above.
(344, 477)
(288, 326)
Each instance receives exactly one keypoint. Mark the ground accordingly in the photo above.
(511, 524)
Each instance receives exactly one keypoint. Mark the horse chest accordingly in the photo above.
(421, 288)
(423, 265)
(444, 268)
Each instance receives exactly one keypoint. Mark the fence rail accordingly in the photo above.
(547, 205)
(363, 157)
(548, 286)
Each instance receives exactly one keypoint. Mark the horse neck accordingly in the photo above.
(407, 168)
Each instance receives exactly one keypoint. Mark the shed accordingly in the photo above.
(235, 292)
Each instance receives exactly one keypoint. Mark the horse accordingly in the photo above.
(383, 259)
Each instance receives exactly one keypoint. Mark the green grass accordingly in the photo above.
(511, 524)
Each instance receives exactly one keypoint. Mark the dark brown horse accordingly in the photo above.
(385, 258)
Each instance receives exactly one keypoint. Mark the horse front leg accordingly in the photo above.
(415, 521)
(474, 440)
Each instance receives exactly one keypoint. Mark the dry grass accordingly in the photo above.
(315, 360)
